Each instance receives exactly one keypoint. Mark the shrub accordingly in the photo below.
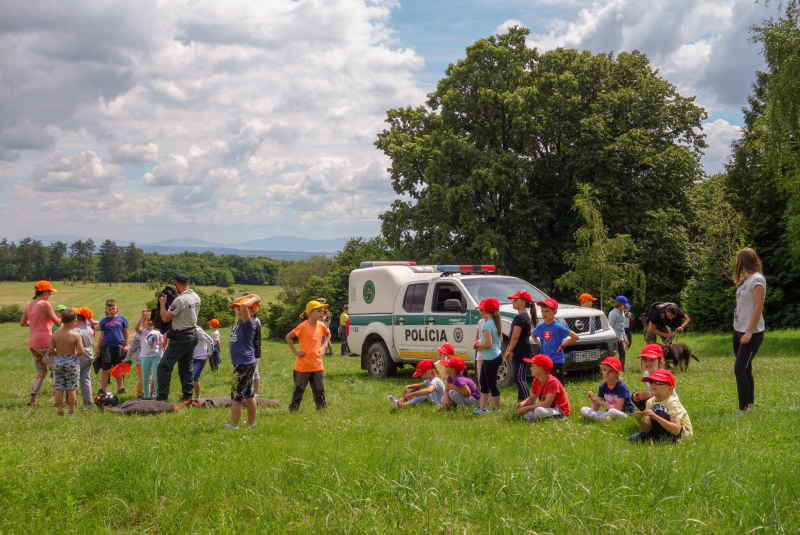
(11, 314)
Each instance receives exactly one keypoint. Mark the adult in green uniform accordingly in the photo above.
(182, 338)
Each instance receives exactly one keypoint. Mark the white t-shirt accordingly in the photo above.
(745, 306)
(437, 395)
(205, 345)
(626, 320)
(215, 336)
(674, 392)
(478, 352)
(150, 344)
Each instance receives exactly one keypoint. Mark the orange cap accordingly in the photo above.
(214, 322)
(86, 312)
(586, 297)
(238, 303)
(45, 286)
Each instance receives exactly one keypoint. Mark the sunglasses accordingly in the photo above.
(661, 383)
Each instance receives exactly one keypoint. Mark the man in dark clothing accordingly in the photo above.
(666, 320)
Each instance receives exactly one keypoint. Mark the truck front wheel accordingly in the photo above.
(379, 363)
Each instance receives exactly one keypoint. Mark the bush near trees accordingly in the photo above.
(11, 314)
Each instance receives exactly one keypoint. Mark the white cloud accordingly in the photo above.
(135, 154)
(510, 23)
(719, 136)
(84, 171)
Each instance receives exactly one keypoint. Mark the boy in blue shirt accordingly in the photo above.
(551, 336)
(244, 362)
(112, 344)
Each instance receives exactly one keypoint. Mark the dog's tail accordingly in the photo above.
(695, 358)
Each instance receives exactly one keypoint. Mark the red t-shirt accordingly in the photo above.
(551, 386)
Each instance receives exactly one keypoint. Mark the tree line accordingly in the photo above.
(83, 260)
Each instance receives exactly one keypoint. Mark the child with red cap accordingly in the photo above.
(489, 343)
(613, 395)
(651, 359)
(460, 390)
(519, 346)
(664, 418)
(552, 398)
(551, 336)
(431, 388)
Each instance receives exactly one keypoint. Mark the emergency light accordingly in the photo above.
(379, 264)
(465, 269)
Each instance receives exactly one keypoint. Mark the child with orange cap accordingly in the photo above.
(85, 360)
(244, 362)
(613, 395)
(460, 390)
(548, 398)
(215, 324)
(587, 300)
(308, 368)
(430, 389)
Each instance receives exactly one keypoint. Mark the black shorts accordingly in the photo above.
(242, 384)
(110, 356)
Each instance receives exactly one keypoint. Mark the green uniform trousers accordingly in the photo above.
(180, 351)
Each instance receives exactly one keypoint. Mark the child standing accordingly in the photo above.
(214, 324)
(613, 395)
(652, 359)
(112, 344)
(312, 336)
(152, 344)
(244, 362)
(256, 350)
(430, 389)
(490, 344)
(84, 317)
(550, 336)
(519, 347)
(135, 352)
(65, 346)
(40, 318)
(460, 390)
(202, 352)
(616, 319)
(664, 418)
(552, 398)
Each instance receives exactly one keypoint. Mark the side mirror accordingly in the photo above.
(452, 304)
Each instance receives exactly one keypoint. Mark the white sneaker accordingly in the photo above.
(229, 427)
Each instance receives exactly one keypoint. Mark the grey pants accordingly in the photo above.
(301, 380)
(460, 400)
(85, 379)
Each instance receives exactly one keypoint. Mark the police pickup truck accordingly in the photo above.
(400, 312)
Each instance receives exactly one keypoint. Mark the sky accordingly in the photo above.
(238, 120)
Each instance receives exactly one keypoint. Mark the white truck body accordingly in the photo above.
(400, 311)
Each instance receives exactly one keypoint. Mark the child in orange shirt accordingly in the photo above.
(313, 336)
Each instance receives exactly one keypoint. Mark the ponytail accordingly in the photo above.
(38, 293)
(496, 319)
(534, 317)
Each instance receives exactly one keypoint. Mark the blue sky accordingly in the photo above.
(247, 119)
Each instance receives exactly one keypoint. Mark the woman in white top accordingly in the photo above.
(748, 323)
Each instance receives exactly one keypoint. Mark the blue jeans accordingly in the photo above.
(198, 366)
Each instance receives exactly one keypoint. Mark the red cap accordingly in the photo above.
(614, 362)
(661, 376)
(549, 302)
(652, 351)
(522, 294)
(454, 362)
(543, 361)
(490, 305)
(422, 367)
(447, 349)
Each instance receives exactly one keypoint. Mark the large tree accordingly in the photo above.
(489, 167)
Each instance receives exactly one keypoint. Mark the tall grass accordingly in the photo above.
(363, 467)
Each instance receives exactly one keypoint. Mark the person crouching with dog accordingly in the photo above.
(182, 338)
(244, 362)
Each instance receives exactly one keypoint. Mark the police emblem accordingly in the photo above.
(458, 335)
(369, 292)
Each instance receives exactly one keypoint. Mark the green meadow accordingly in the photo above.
(363, 467)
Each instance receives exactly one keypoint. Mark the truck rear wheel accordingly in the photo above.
(379, 362)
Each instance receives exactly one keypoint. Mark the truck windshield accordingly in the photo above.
(499, 287)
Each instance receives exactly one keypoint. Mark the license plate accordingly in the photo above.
(583, 356)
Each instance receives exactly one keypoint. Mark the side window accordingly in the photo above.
(414, 300)
(445, 291)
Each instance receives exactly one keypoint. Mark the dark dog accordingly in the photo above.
(678, 356)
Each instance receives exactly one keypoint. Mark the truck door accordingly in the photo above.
(408, 328)
(448, 319)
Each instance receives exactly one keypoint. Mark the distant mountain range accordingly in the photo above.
(279, 247)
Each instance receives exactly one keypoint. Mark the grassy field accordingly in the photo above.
(362, 467)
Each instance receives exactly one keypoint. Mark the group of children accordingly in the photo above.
(658, 412)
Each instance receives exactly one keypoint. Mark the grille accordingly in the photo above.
(578, 325)
(598, 324)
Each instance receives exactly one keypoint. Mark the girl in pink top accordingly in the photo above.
(40, 317)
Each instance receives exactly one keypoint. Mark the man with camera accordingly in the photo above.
(182, 338)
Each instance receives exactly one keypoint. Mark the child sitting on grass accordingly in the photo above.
(244, 362)
(552, 398)
(65, 346)
(460, 391)
(613, 395)
(430, 389)
(308, 368)
(652, 359)
(664, 418)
